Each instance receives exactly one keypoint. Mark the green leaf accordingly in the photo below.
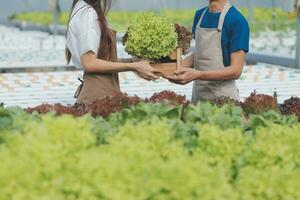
(5, 118)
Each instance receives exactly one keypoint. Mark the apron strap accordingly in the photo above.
(201, 18)
(77, 93)
(223, 15)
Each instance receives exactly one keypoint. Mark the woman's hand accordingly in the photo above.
(184, 76)
(145, 71)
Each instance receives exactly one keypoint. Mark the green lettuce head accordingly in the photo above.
(151, 37)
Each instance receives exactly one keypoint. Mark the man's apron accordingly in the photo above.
(209, 56)
(98, 85)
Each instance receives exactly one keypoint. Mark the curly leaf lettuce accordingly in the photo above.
(151, 37)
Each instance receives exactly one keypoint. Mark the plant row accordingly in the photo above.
(151, 150)
(254, 104)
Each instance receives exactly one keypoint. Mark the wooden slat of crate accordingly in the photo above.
(166, 69)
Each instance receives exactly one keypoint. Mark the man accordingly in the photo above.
(222, 40)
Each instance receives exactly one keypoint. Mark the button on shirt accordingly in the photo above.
(83, 33)
(235, 32)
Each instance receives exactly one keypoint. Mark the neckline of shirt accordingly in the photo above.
(214, 13)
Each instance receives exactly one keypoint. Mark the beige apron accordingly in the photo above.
(98, 86)
(209, 56)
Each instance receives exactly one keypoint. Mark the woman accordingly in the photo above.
(91, 44)
(222, 40)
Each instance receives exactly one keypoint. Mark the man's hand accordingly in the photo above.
(184, 76)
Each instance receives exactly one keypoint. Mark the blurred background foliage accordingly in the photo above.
(264, 18)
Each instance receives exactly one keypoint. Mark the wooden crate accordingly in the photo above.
(168, 69)
(165, 69)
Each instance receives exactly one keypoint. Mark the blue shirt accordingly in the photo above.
(235, 32)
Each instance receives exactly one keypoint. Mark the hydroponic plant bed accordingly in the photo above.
(150, 149)
(254, 104)
(157, 148)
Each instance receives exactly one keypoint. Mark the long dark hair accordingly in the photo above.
(107, 40)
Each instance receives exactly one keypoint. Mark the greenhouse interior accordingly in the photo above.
(195, 100)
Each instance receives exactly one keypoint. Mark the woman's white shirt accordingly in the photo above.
(84, 32)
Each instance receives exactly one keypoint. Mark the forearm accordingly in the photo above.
(125, 60)
(188, 62)
(231, 72)
(228, 73)
(102, 66)
(91, 64)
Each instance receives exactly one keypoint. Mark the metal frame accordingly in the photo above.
(250, 11)
(253, 58)
(298, 36)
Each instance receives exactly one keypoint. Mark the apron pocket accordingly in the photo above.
(229, 89)
(205, 90)
(206, 65)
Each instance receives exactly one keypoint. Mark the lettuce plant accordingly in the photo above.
(151, 37)
(65, 158)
